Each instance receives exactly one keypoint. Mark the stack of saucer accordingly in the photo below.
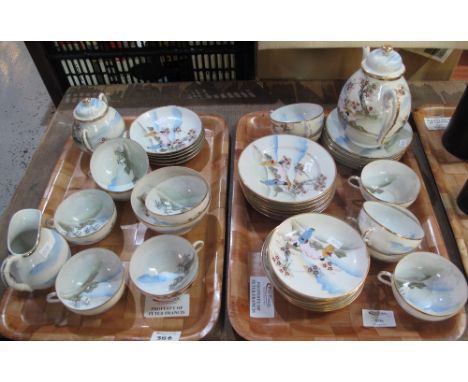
(316, 262)
(353, 156)
(170, 135)
(285, 175)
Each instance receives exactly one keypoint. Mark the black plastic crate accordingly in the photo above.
(77, 63)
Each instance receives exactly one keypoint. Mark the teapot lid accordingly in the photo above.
(90, 109)
(383, 63)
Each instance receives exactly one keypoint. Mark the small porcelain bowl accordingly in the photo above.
(85, 217)
(91, 282)
(387, 181)
(178, 196)
(389, 229)
(427, 286)
(169, 223)
(165, 266)
(117, 165)
(303, 119)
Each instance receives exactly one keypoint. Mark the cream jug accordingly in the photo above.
(36, 253)
(375, 102)
(95, 123)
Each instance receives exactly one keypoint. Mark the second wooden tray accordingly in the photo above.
(26, 316)
(248, 231)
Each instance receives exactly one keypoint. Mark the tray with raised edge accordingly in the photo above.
(450, 173)
(248, 231)
(27, 316)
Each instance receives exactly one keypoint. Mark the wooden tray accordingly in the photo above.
(248, 231)
(449, 172)
(28, 316)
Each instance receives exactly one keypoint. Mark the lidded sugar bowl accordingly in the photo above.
(375, 102)
(95, 123)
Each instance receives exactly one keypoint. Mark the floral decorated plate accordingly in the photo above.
(287, 169)
(166, 129)
(398, 144)
(318, 256)
(430, 283)
(89, 280)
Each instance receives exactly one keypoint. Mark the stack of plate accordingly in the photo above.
(316, 262)
(170, 135)
(347, 153)
(285, 175)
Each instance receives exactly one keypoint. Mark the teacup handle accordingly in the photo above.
(382, 277)
(103, 98)
(198, 245)
(84, 137)
(355, 178)
(52, 298)
(365, 235)
(8, 279)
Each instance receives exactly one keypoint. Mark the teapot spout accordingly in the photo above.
(24, 232)
(365, 52)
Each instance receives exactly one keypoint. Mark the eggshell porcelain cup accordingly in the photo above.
(176, 199)
(427, 286)
(387, 181)
(389, 229)
(303, 119)
(91, 282)
(165, 266)
(85, 217)
(117, 165)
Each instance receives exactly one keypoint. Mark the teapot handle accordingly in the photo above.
(10, 281)
(103, 98)
(86, 143)
(390, 98)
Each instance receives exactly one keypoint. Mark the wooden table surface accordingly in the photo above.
(229, 99)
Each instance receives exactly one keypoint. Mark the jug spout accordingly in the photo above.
(24, 232)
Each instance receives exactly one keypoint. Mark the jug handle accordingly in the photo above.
(389, 97)
(85, 141)
(103, 98)
(10, 281)
(365, 52)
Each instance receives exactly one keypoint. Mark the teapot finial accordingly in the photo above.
(387, 48)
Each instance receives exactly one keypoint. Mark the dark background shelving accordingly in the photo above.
(62, 64)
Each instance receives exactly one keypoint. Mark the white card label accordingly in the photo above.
(262, 304)
(378, 319)
(436, 123)
(165, 336)
(335, 242)
(180, 307)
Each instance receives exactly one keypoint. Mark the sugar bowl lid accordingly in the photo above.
(383, 63)
(89, 109)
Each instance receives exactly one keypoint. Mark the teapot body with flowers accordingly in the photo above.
(375, 102)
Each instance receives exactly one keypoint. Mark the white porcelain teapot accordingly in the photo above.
(95, 123)
(375, 102)
(36, 254)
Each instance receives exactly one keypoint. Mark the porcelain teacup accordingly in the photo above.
(389, 229)
(85, 217)
(117, 165)
(164, 266)
(387, 181)
(427, 286)
(303, 119)
(179, 198)
(89, 283)
(36, 253)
